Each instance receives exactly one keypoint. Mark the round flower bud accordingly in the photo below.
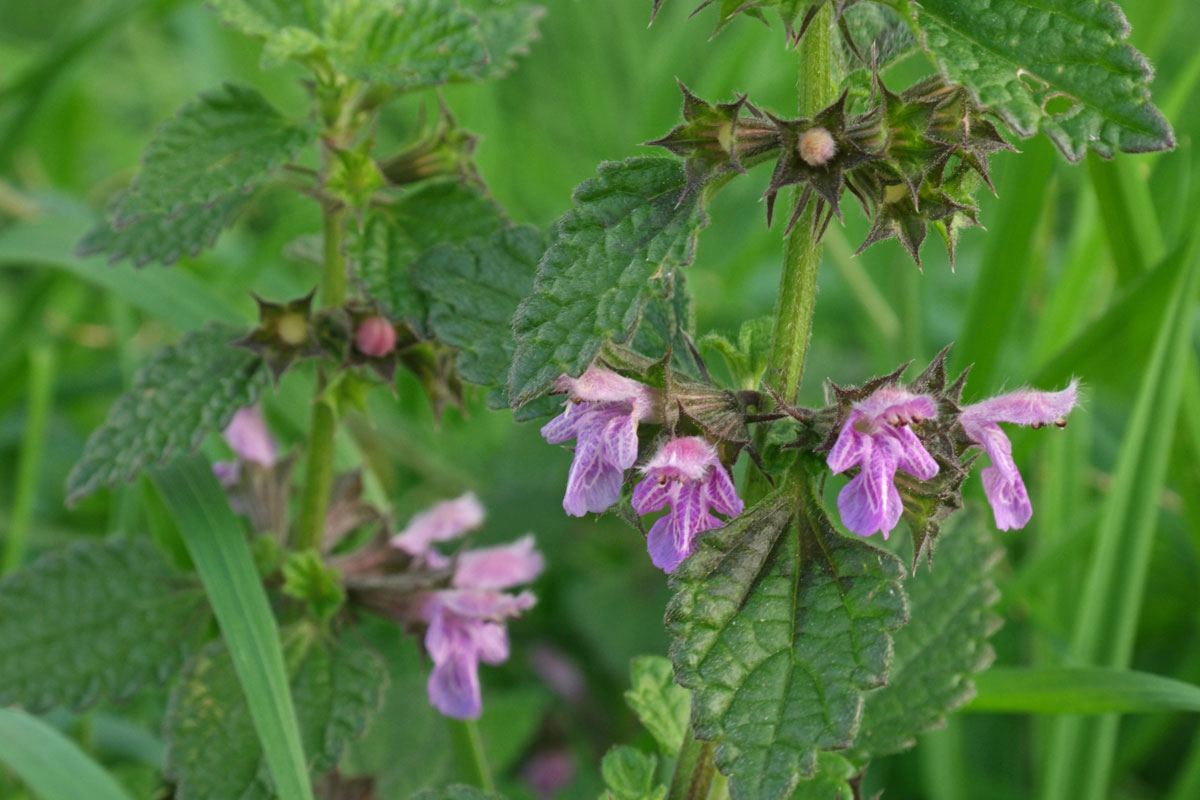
(292, 328)
(817, 146)
(375, 337)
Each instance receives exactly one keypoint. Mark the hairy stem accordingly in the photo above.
(694, 771)
(318, 475)
(801, 254)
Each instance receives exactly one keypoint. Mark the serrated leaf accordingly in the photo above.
(392, 238)
(142, 234)
(473, 291)
(410, 45)
(267, 17)
(629, 774)
(94, 621)
(1060, 67)
(779, 625)
(225, 141)
(936, 654)
(631, 229)
(660, 704)
(185, 391)
(507, 30)
(212, 749)
(831, 781)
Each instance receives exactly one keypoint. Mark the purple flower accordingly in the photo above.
(448, 519)
(1001, 481)
(876, 438)
(248, 438)
(686, 474)
(467, 621)
(601, 414)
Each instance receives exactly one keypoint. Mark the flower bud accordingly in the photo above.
(292, 328)
(375, 337)
(817, 146)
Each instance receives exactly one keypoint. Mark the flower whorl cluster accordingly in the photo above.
(466, 621)
(891, 429)
(912, 159)
(602, 414)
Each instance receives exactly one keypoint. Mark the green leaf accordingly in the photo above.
(473, 291)
(779, 625)
(419, 43)
(223, 561)
(268, 17)
(94, 621)
(226, 141)
(212, 748)
(50, 764)
(394, 237)
(141, 234)
(660, 704)
(629, 775)
(507, 30)
(1061, 68)
(631, 229)
(185, 391)
(947, 642)
(1081, 690)
(831, 781)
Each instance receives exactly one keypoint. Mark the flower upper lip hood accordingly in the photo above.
(600, 385)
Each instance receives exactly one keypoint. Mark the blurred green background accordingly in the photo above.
(82, 87)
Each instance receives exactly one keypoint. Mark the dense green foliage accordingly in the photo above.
(1086, 271)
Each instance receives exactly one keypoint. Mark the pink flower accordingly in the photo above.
(602, 413)
(375, 337)
(446, 520)
(467, 621)
(248, 438)
(1001, 481)
(876, 438)
(686, 474)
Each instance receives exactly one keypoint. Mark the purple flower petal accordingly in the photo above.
(1008, 498)
(851, 447)
(449, 519)
(1023, 407)
(912, 456)
(870, 502)
(453, 686)
(248, 437)
(662, 544)
(722, 496)
(491, 642)
(651, 494)
(499, 567)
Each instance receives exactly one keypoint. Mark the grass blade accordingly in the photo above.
(1080, 690)
(50, 764)
(169, 295)
(223, 561)
(1079, 754)
(33, 442)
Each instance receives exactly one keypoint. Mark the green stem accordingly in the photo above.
(801, 254)
(318, 475)
(33, 441)
(694, 771)
(471, 751)
(333, 281)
